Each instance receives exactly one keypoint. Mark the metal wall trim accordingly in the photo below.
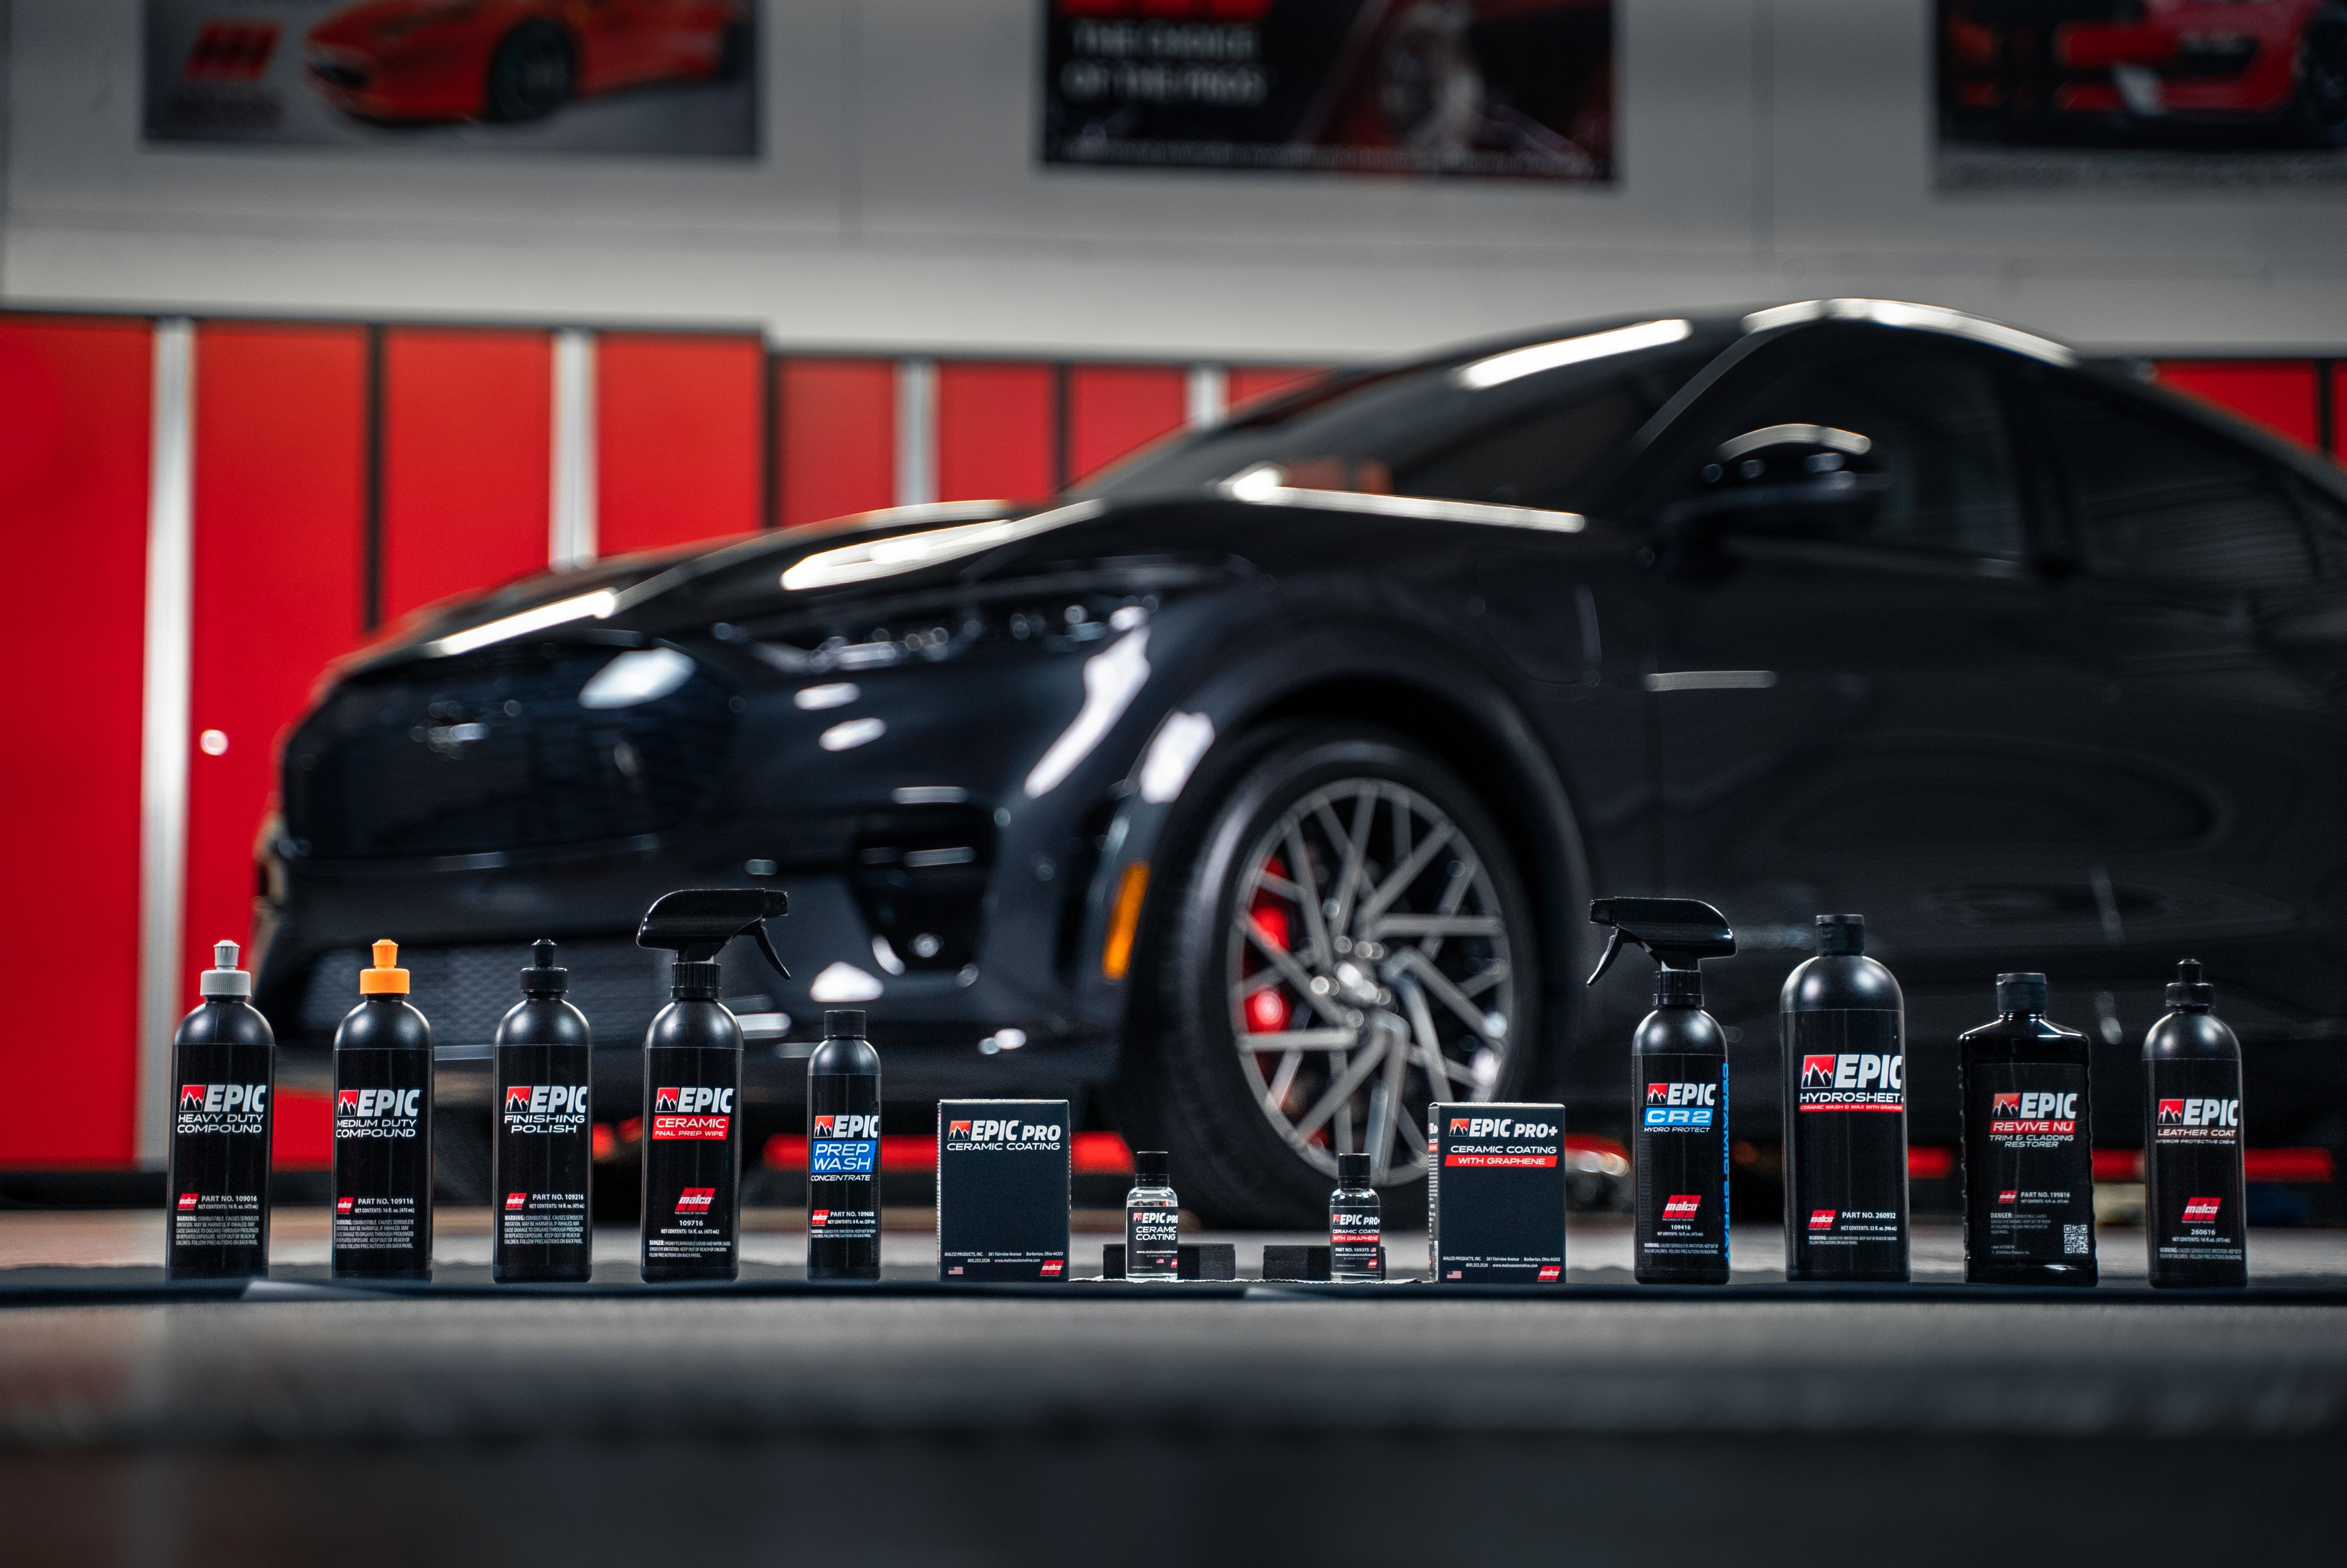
(571, 526)
(1208, 398)
(163, 758)
(917, 431)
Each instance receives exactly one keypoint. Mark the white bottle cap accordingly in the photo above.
(227, 980)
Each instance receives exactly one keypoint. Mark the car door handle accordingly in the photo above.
(1710, 679)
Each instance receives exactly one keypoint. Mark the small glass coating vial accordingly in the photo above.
(1152, 1220)
(1356, 1226)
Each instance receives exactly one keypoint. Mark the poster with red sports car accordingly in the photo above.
(1506, 89)
(558, 76)
(2142, 93)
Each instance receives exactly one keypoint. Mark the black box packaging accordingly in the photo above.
(1495, 1194)
(1002, 1189)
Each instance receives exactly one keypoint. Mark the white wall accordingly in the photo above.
(1769, 150)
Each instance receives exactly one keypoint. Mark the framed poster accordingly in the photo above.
(1516, 89)
(552, 75)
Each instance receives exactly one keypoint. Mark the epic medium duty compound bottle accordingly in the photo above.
(843, 1152)
(542, 1157)
(2193, 1221)
(1842, 1024)
(221, 1073)
(383, 1131)
(1152, 1219)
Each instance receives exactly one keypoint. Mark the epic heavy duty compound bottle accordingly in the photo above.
(2193, 1219)
(692, 1084)
(383, 1131)
(222, 1068)
(843, 1152)
(1678, 1058)
(1842, 1024)
(2029, 1159)
(542, 1157)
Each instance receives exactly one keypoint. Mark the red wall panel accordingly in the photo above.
(468, 445)
(2279, 394)
(1245, 383)
(75, 414)
(679, 452)
(1114, 408)
(838, 443)
(995, 431)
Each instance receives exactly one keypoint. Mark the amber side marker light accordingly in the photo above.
(1124, 920)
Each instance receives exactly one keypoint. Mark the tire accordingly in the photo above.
(2317, 115)
(531, 72)
(1253, 1133)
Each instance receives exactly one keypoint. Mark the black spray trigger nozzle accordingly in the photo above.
(1678, 934)
(766, 946)
(695, 923)
(1613, 951)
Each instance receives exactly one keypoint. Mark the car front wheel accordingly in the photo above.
(1347, 939)
(531, 72)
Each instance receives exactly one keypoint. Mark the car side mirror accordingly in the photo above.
(1801, 480)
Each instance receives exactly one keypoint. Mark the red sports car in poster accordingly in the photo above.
(422, 60)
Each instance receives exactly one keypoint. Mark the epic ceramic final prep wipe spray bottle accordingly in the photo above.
(383, 1131)
(217, 1226)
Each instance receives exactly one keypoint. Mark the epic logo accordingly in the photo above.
(1864, 1070)
(2036, 1106)
(2199, 1114)
(859, 1126)
(696, 1200)
(231, 1098)
(1682, 1206)
(546, 1100)
(2201, 1211)
(694, 1100)
(372, 1104)
(1682, 1094)
(1501, 1127)
(986, 1130)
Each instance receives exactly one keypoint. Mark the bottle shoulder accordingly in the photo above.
(1152, 1197)
(2190, 1037)
(693, 1023)
(225, 1021)
(1840, 980)
(845, 1059)
(544, 1021)
(383, 1023)
(2021, 1040)
(1678, 1032)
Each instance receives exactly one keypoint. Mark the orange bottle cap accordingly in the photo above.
(386, 979)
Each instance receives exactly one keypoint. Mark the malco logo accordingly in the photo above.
(694, 1100)
(187, 1200)
(1682, 1206)
(696, 1200)
(546, 1098)
(858, 1126)
(517, 1200)
(2010, 1195)
(1052, 1265)
(372, 1105)
(2199, 1114)
(344, 1205)
(2201, 1211)
(1821, 1219)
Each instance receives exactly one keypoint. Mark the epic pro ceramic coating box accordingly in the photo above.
(1495, 1194)
(1002, 1189)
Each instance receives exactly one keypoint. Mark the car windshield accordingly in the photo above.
(1533, 425)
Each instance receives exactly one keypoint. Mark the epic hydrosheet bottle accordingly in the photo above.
(1842, 1024)
(383, 1131)
(1678, 1061)
(2029, 1160)
(2193, 1219)
(692, 1085)
(221, 1073)
(843, 1152)
(1152, 1219)
(1355, 1224)
(542, 1159)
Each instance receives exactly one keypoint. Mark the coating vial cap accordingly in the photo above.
(1152, 1168)
(2021, 993)
(1352, 1170)
(386, 979)
(542, 978)
(2188, 992)
(843, 1023)
(1841, 935)
(227, 980)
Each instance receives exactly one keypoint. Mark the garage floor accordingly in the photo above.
(1392, 1425)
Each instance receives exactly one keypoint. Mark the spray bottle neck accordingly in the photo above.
(695, 980)
(1677, 988)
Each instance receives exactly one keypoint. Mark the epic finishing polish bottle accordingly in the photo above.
(1152, 1219)
(692, 1085)
(1355, 1224)
(383, 1131)
(843, 1152)
(1679, 1054)
(221, 1071)
(2029, 1158)
(542, 1158)
(2192, 1153)
(1842, 1024)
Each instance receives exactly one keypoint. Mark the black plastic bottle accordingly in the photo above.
(383, 1131)
(692, 1085)
(2194, 1222)
(222, 1070)
(1355, 1224)
(843, 1152)
(542, 1160)
(1679, 1064)
(1842, 1025)
(2028, 1153)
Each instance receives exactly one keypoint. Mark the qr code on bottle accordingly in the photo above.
(2073, 1240)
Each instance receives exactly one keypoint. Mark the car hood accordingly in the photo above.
(374, 22)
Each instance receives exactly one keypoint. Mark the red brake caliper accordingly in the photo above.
(1267, 1009)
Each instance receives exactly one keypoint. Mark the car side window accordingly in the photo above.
(1535, 459)
(1934, 419)
(2157, 500)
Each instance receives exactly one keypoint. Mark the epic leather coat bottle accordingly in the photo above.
(542, 1158)
(843, 1152)
(1842, 1024)
(383, 1131)
(2029, 1157)
(1678, 1060)
(2193, 1219)
(222, 1068)
(692, 1085)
